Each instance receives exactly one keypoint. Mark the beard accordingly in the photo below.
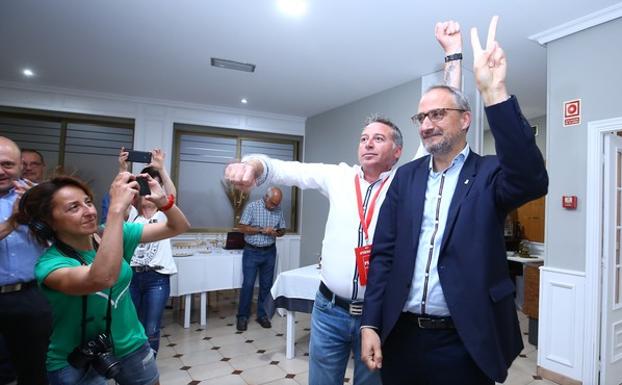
(444, 146)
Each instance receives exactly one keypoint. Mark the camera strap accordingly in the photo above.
(72, 253)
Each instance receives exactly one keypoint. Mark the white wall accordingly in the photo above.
(489, 142)
(580, 65)
(154, 119)
(588, 74)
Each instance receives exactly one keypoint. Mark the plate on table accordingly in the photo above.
(182, 253)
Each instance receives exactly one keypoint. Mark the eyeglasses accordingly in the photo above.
(435, 115)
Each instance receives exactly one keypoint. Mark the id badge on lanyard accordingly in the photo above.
(363, 253)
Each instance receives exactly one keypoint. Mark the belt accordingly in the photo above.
(259, 247)
(429, 322)
(13, 287)
(146, 268)
(352, 307)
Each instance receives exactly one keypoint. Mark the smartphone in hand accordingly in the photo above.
(143, 186)
(138, 156)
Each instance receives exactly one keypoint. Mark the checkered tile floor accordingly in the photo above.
(218, 354)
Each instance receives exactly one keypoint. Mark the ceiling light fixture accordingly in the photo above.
(28, 72)
(243, 101)
(293, 8)
(232, 65)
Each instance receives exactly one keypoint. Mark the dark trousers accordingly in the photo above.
(26, 324)
(256, 261)
(416, 356)
(7, 373)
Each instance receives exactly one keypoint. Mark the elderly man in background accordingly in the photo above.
(261, 222)
(25, 315)
(33, 165)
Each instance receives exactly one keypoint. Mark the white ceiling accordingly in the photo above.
(341, 51)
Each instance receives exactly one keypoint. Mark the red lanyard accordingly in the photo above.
(370, 212)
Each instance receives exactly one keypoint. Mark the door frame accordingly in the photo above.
(596, 132)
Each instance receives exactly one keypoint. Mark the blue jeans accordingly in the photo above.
(256, 261)
(150, 291)
(335, 335)
(137, 368)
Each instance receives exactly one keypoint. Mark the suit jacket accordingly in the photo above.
(472, 264)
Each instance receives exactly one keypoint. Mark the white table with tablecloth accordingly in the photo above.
(293, 291)
(202, 272)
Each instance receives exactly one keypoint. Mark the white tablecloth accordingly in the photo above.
(301, 283)
(294, 290)
(218, 270)
(203, 272)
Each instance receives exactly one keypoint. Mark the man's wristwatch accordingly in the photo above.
(452, 57)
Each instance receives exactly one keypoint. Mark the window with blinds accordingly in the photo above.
(201, 155)
(87, 147)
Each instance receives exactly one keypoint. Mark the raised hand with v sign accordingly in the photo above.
(489, 66)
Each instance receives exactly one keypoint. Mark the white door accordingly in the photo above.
(611, 327)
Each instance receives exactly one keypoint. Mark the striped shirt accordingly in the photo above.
(257, 215)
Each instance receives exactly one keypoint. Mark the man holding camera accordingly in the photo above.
(262, 221)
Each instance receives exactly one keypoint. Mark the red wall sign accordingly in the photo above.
(572, 112)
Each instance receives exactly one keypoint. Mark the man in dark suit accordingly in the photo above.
(439, 295)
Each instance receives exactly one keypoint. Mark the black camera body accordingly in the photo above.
(98, 353)
(143, 186)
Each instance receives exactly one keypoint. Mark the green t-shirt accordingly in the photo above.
(127, 332)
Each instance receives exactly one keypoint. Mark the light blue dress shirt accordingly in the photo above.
(18, 251)
(426, 294)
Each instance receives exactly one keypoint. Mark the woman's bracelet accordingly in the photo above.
(169, 204)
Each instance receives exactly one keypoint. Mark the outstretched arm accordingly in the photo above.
(449, 37)
(104, 271)
(244, 175)
(176, 222)
(157, 162)
(523, 175)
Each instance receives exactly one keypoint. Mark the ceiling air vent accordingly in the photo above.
(233, 65)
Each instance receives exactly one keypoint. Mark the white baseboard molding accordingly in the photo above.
(556, 377)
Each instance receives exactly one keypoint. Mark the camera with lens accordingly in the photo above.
(98, 353)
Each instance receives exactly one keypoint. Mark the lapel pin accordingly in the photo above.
(466, 181)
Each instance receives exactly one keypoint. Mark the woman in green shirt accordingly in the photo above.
(86, 278)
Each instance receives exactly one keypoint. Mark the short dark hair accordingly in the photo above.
(398, 139)
(32, 150)
(152, 172)
(36, 204)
